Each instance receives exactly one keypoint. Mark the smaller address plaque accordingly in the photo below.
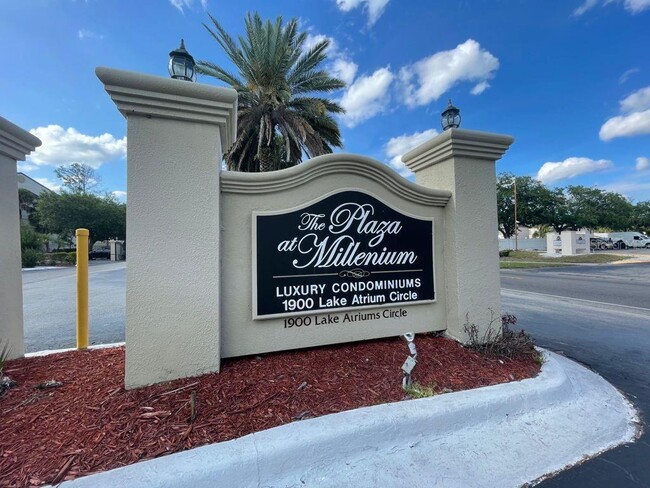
(349, 250)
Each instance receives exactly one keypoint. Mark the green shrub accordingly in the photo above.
(30, 239)
(60, 258)
(505, 253)
(31, 257)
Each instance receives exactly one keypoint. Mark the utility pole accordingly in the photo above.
(516, 223)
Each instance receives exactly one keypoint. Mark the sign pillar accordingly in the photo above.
(463, 161)
(176, 132)
(553, 243)
(574, 243)
(15, 145)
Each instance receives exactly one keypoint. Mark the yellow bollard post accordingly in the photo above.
(82, 288)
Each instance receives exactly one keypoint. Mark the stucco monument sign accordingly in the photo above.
(337, 249)
(346, 251)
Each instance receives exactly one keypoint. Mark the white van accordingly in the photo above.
(629, 239)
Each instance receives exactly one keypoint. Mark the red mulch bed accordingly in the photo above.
(92, 424)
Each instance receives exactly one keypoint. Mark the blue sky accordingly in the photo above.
(569, 80)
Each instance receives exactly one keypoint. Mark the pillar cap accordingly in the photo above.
(165, 98)
(15, 142)
(451, 143)
(81, 232)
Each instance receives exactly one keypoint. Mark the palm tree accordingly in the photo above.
(26, 201)
(279, 115)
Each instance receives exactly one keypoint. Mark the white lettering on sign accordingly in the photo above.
(348, 250)
(344, 250)
(344, 216)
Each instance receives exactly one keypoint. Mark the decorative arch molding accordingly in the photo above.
(339, 164)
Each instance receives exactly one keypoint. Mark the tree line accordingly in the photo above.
(569, 208)
(78, 205)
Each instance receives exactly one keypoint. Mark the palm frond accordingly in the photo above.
(279, 115)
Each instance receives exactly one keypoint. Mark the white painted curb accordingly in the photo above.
(502, 435)
(47, 352)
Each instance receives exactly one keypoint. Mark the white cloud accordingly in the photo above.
(634, 124)
(344, 70)
(313, 39)
(52, 185)
(587, 5)
(632, 6)
(642, 164)
(637, 101)
(397, 146)
(119, 194)
(636, 6)
(426, 80)
(636, 118)
(480, 88)
(183, 4)
(24, 167)
(340, 66)
(88, 34)
(366, 97)
(625, 76)
(570, 168)
(374, 8)
(65, 146)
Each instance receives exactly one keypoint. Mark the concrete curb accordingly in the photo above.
(458, 439)
(47, 352)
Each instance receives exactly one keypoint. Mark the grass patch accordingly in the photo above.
(416, 390)
(532, 256)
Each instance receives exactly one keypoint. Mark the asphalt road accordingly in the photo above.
(606, 326)
(49, 305)
(598, 315)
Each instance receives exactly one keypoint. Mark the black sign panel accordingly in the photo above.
(349, 250)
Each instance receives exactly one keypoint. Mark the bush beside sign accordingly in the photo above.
(348, 250)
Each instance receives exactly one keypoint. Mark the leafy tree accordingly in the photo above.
(62, 214)
(26, 200)
(534, 202)
(559, 214)
(506, 204)
(78, 178)
(583, 206)
(279, 115)
(592, 208)
(570, 208)
(641, 217)
(616, 211)
(30, 239)
(31, 246)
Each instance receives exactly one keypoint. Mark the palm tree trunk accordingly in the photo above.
(266, 159)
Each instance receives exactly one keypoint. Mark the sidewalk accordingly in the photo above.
(498, 436)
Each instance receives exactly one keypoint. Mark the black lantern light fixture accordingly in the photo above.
(181, 64)
(450, 117)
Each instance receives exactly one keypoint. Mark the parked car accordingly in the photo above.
(600, 243)
(100, 254)
(623, 240)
